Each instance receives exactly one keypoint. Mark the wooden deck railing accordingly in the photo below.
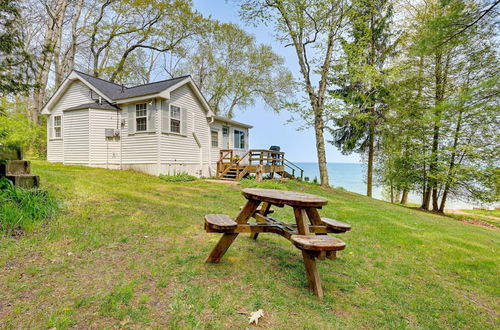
(239, 166)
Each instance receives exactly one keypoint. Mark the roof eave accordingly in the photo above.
(140, 98)
(230, 121)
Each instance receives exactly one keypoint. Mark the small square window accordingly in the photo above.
(141, 124)
(215, 139)
(57, 126)
(141, 120)
(175, 119)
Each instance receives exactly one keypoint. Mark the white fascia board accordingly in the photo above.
(230, 122)
(140, 98)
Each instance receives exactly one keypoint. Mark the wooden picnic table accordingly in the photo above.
(259, 206)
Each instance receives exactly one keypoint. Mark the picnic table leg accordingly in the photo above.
(227, 238)
(312, 274)
(300, 218)
(315, 219)
(264, 210)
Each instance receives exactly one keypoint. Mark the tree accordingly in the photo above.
(121, 27)
(446, 108)
(14, 61)
(362, 78)
(232, 70)
(312, 27)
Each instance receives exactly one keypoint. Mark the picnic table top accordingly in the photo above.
(277, 197)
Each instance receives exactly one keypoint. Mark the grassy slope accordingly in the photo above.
(129, 249)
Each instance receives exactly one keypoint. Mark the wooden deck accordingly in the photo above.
(256, 161)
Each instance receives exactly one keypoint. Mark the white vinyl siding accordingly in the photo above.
(104, 151)
(177, 149)
(76, 137)
(218, 125)
(138, 148)
(76, 94)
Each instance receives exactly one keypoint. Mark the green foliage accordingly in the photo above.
(13, 58)
(23, 208)
(178, 177)
(16, 130)
(233, 70)
(268, 184)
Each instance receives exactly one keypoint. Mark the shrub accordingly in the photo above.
(178, 177)
(306, 179)
(268, 184)
(23, 208)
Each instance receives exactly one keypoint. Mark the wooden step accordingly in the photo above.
(15, 167)
(7, 153)
(317, 243)
(338, 226)
(219, 223)
(24, 181)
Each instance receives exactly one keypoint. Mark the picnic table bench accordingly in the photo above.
(305, 206)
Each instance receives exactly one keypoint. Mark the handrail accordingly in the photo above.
(293, 167)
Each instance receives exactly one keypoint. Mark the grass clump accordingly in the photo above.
(178, 177)
(21, 209)
(268, 184)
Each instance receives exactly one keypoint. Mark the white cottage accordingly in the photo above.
(157, 128)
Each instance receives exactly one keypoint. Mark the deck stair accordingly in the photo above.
(234, 167)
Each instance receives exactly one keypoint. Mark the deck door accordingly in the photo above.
(225, 137)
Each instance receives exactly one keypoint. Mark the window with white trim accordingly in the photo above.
(215, 138)
(57, 126)
(239, 139)
(175, 119)
(141, 117)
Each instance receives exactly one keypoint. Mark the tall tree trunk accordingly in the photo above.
(392, 193)
(51, 39)
(371, 152)
(451, 166)
(320, 147)
(404, 197)
(69, 58)
(438, 97)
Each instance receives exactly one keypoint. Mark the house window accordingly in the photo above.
(175, 119)
(215, 139)
(57, 126)
(239, 139)
(141, 117)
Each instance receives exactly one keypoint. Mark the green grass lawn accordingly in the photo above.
(127, 250)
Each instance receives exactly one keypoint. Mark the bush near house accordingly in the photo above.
(178, 177)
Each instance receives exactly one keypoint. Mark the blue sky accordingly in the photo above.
(271, 128)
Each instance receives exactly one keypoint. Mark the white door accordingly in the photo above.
(225, 137)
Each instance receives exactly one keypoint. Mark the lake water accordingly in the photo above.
(351, 177)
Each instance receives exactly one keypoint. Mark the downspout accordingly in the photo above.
(210, 169)
(158, 132)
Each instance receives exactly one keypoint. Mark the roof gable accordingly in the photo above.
(115, 93)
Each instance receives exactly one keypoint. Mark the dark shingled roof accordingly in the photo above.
(94, 105)
(114, 91)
